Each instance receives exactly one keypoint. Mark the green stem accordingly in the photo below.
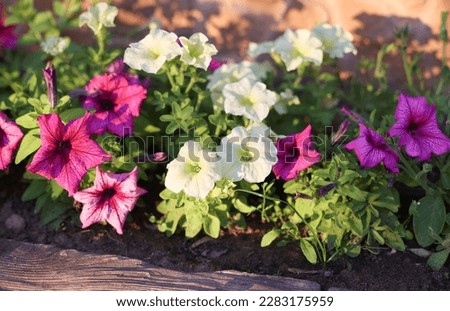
(314, 232)
(412, 173)
(190, 85)
(171, 80)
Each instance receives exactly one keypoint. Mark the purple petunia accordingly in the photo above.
(67, 151)
(116, 102)
(7, 37)
(10, 137)
(110, 198)
(417, 128)
(371, 149)
(295, 154)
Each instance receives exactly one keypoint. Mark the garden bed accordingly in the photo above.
(233, 250)
(167, 161)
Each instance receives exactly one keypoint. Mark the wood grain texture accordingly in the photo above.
(25, 266)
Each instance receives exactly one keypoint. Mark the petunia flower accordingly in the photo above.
(417, 128)
(66, 151)
(151, 53)
(55, 45)
(8, 39)
(295, 154)
(335, 40)
(196, 51)
(284, 100)
(371, 149)
(111, 198)
(10, 137)
(247, 154)
(215, 64)
(117, 68)
(296, 47)
(248, 98)
(193, 171)
(99, 16)
(256, 49)
(116, 101)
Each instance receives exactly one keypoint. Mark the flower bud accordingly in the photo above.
(50, 80)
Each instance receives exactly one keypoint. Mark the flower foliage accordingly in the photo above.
(152, 51)
(116, 102)
(7, 37)
(417, 128)
(111, 198)
(170, 113)
(371, 149)
(295, 154)
(99, 16)
(67, 151)
(10, 137)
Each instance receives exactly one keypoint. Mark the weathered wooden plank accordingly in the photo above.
(25, 266)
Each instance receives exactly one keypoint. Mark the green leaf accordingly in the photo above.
(394, 240)
(28, 120)
(353, 192)
(269, 237)
(240, 203)
(211, 225)
(30, 143)
(71, 114)
(437, 260)
(428, 219)
(348, 175)
(308, 250)
(34, 190)
(52, 212)
(194, 221)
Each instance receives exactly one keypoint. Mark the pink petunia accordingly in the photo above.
(116, 102)
(110, 199)
(371, 149)
(417, 128)
(215, 64)
(117, 68)
(295, 153)
(10, 137)
(67, 151)
(7, 37)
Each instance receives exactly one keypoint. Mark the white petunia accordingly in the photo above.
(247, 154)
(193, 171)
(151, 53)
(256, 49)
(196, 51)
(284, 100)
(99, 16)
(249, 99)
(297, 47)
(335, 40)
(226, 74)
(55, 45)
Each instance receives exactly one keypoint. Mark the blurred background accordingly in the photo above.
(232, 24)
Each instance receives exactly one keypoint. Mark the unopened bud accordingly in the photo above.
(50, 81)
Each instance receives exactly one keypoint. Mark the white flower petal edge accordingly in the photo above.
(55, 45)
(196, 51)
(335, 40)
(151, 53)
(296, 47)
(99, 16)
(247, 154)
(248, 98)
(194, 171)
(256, 49)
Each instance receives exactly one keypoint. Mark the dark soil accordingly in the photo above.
(234, 249)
